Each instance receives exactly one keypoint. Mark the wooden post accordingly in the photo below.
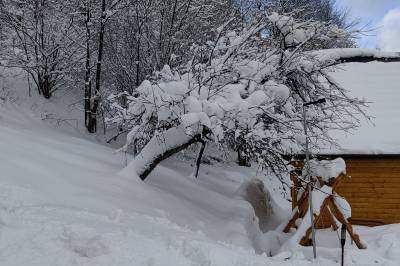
(294, 188)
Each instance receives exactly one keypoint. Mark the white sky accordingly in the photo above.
(381, 15)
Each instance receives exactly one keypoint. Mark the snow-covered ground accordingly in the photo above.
(65, 201)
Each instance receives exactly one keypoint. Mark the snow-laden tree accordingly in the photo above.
(317, 10)
(245, 90)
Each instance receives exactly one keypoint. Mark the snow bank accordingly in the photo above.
(63, 203)
(260, 199)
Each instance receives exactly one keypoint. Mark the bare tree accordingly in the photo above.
(150, 34)
(88, 81)
(42, 41)
(93, 98)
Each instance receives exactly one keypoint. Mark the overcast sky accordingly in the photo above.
(381, 15)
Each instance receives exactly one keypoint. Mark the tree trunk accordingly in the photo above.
(88, 83)
(43, 85)
(199, 157)
(93, 119)
(160, 147)
(243, 160)
(46, 86)
(138, 40)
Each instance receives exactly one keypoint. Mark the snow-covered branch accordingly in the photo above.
(162, 146)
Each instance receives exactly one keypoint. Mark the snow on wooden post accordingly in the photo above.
(325, 200)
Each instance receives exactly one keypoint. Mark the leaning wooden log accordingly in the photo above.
(340, 217)
(299, 212)
(305, 239)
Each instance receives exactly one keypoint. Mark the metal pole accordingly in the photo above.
(342, 256)
(309, 178)
(343, 240)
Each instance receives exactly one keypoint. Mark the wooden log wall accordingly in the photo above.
(373, 190)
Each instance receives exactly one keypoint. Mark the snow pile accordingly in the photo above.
(265, 208)
(327, 169)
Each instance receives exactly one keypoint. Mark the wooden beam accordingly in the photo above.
(302, 209)
(340, 217)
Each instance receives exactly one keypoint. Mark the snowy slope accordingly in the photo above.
(64, 203)
(379, 84)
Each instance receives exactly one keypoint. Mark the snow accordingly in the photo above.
(343, 205)
(327, 169)
(193, 105)
(378, 83)
(338, 53)
(280, 91)
(63, 203)
(191, 119)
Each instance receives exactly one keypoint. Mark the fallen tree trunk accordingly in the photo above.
(198, 161)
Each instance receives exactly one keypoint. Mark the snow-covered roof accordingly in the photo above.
(379, 84)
